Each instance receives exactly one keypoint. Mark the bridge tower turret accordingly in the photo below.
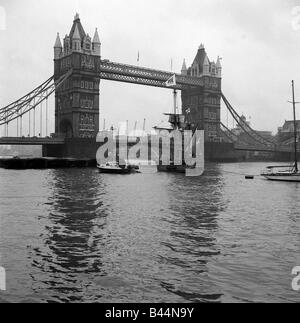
(57, 48)
(219, 67)
(76, 40)
(67, 45)
(77, 101)
(202, 105)
(184, 70)
(96, 44)
(206, 66)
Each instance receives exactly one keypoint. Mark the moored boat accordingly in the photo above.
(276, 173)
(178, 122)
(115, 168)
(286, 173)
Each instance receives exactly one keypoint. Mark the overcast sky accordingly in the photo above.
(256, 39)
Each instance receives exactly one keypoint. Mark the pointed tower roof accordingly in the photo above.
(218, 65)
(80, 30)
(57, 42)
(201, 56)
(76, 34)
(184, 70)
(206, 61)
(96, 39)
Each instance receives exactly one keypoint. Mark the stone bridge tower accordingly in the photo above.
(77, 101)
(202, 106)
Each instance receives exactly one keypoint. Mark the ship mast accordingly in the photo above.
(175, 108)
(295, 128)
(175, 101)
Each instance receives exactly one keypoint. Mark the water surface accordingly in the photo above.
(77, 236)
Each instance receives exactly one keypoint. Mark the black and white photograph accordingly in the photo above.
(149, 154)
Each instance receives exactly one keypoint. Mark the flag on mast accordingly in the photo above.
(171, 81)
(138, 57)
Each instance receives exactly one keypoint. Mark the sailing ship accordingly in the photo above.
(176, 121)
(286, 173)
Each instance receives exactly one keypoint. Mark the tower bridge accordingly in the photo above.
(78, 71)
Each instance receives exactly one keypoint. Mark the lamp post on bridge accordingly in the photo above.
(47, 115)
(34, 118)
(21, 124)
(41, 119)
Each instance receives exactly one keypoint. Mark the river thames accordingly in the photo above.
(75, 235)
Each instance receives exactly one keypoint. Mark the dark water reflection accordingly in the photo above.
(77, 236)
(73, 239)
(195, 205)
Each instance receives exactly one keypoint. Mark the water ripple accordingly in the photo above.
(77, 236)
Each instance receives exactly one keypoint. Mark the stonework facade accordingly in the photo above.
(77, 101)
(202, 106)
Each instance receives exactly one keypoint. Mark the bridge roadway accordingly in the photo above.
(145, 76)
(31, 141)
(39, 141)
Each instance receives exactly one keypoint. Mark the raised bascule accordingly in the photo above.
(78, 71)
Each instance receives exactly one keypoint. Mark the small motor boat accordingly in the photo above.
(115, 168)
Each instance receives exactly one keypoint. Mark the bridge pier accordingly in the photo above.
(81, 148)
